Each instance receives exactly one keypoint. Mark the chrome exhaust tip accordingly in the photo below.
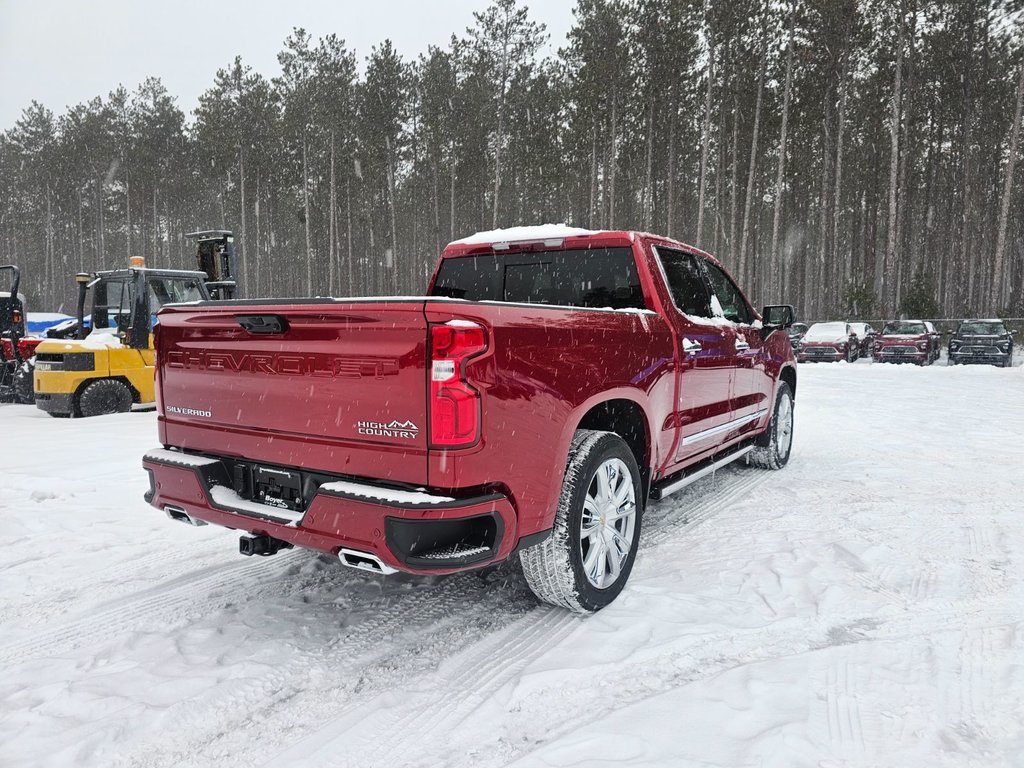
(364, 561)
(179, 514)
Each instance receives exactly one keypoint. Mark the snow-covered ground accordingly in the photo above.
(862, 607)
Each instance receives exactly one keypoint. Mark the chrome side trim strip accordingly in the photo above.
(696, 437)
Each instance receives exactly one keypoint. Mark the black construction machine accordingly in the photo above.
(215, 255)
(15, 349)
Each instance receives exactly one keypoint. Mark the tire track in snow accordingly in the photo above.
(705, 659)
(845, 724)
(479, 678)
(363, 644)
(544, 714)
(715, 495)
(166, 563)
(978, 685)
(160, 606)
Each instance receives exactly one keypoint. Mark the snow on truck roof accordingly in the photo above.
(525, 234)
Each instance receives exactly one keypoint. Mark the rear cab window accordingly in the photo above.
(597, 278)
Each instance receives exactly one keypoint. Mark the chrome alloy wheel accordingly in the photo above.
(784, 428)
(608, 522)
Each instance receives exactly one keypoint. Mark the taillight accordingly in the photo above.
(454, 404)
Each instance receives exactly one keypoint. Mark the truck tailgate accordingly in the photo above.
(337, 387)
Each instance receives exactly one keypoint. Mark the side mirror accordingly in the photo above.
(778, 316)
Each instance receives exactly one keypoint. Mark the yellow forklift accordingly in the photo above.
(108, 366)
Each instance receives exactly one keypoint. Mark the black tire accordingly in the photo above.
(774, 446)
(554, 569)
(23, 390)
(59, 415)
(104, 396)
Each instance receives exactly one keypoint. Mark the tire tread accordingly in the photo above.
(765, 455)
(546, 566)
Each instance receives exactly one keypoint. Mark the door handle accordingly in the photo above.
(741, 345)
(691, 347)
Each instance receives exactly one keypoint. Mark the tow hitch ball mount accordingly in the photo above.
(261, 544)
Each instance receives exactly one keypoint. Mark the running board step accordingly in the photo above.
(676, 483)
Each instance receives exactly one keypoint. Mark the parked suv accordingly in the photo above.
(829, 342)
(982, 341)
(796, 334)
(907, 341)
(551, 381)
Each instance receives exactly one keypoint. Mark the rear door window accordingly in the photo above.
(596, 278)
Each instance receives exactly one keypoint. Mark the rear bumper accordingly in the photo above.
(408, 531)
(54, 403)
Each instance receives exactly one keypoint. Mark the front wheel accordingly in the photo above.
(585, 562)
(774, 445)
(104, 396)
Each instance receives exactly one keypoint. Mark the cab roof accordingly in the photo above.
(556, 237)
(154, 272)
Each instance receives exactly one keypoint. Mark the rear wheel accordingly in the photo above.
(585, 562)
(104, 396)
(23, 390)
(773, 447)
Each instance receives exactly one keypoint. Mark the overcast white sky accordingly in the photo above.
(62, 52)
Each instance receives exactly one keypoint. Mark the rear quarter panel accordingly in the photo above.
(545, 368)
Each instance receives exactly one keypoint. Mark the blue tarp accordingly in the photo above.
(36, 323)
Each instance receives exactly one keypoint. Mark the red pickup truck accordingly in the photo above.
(552, 380)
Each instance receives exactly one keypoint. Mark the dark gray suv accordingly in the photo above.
(982, 341)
